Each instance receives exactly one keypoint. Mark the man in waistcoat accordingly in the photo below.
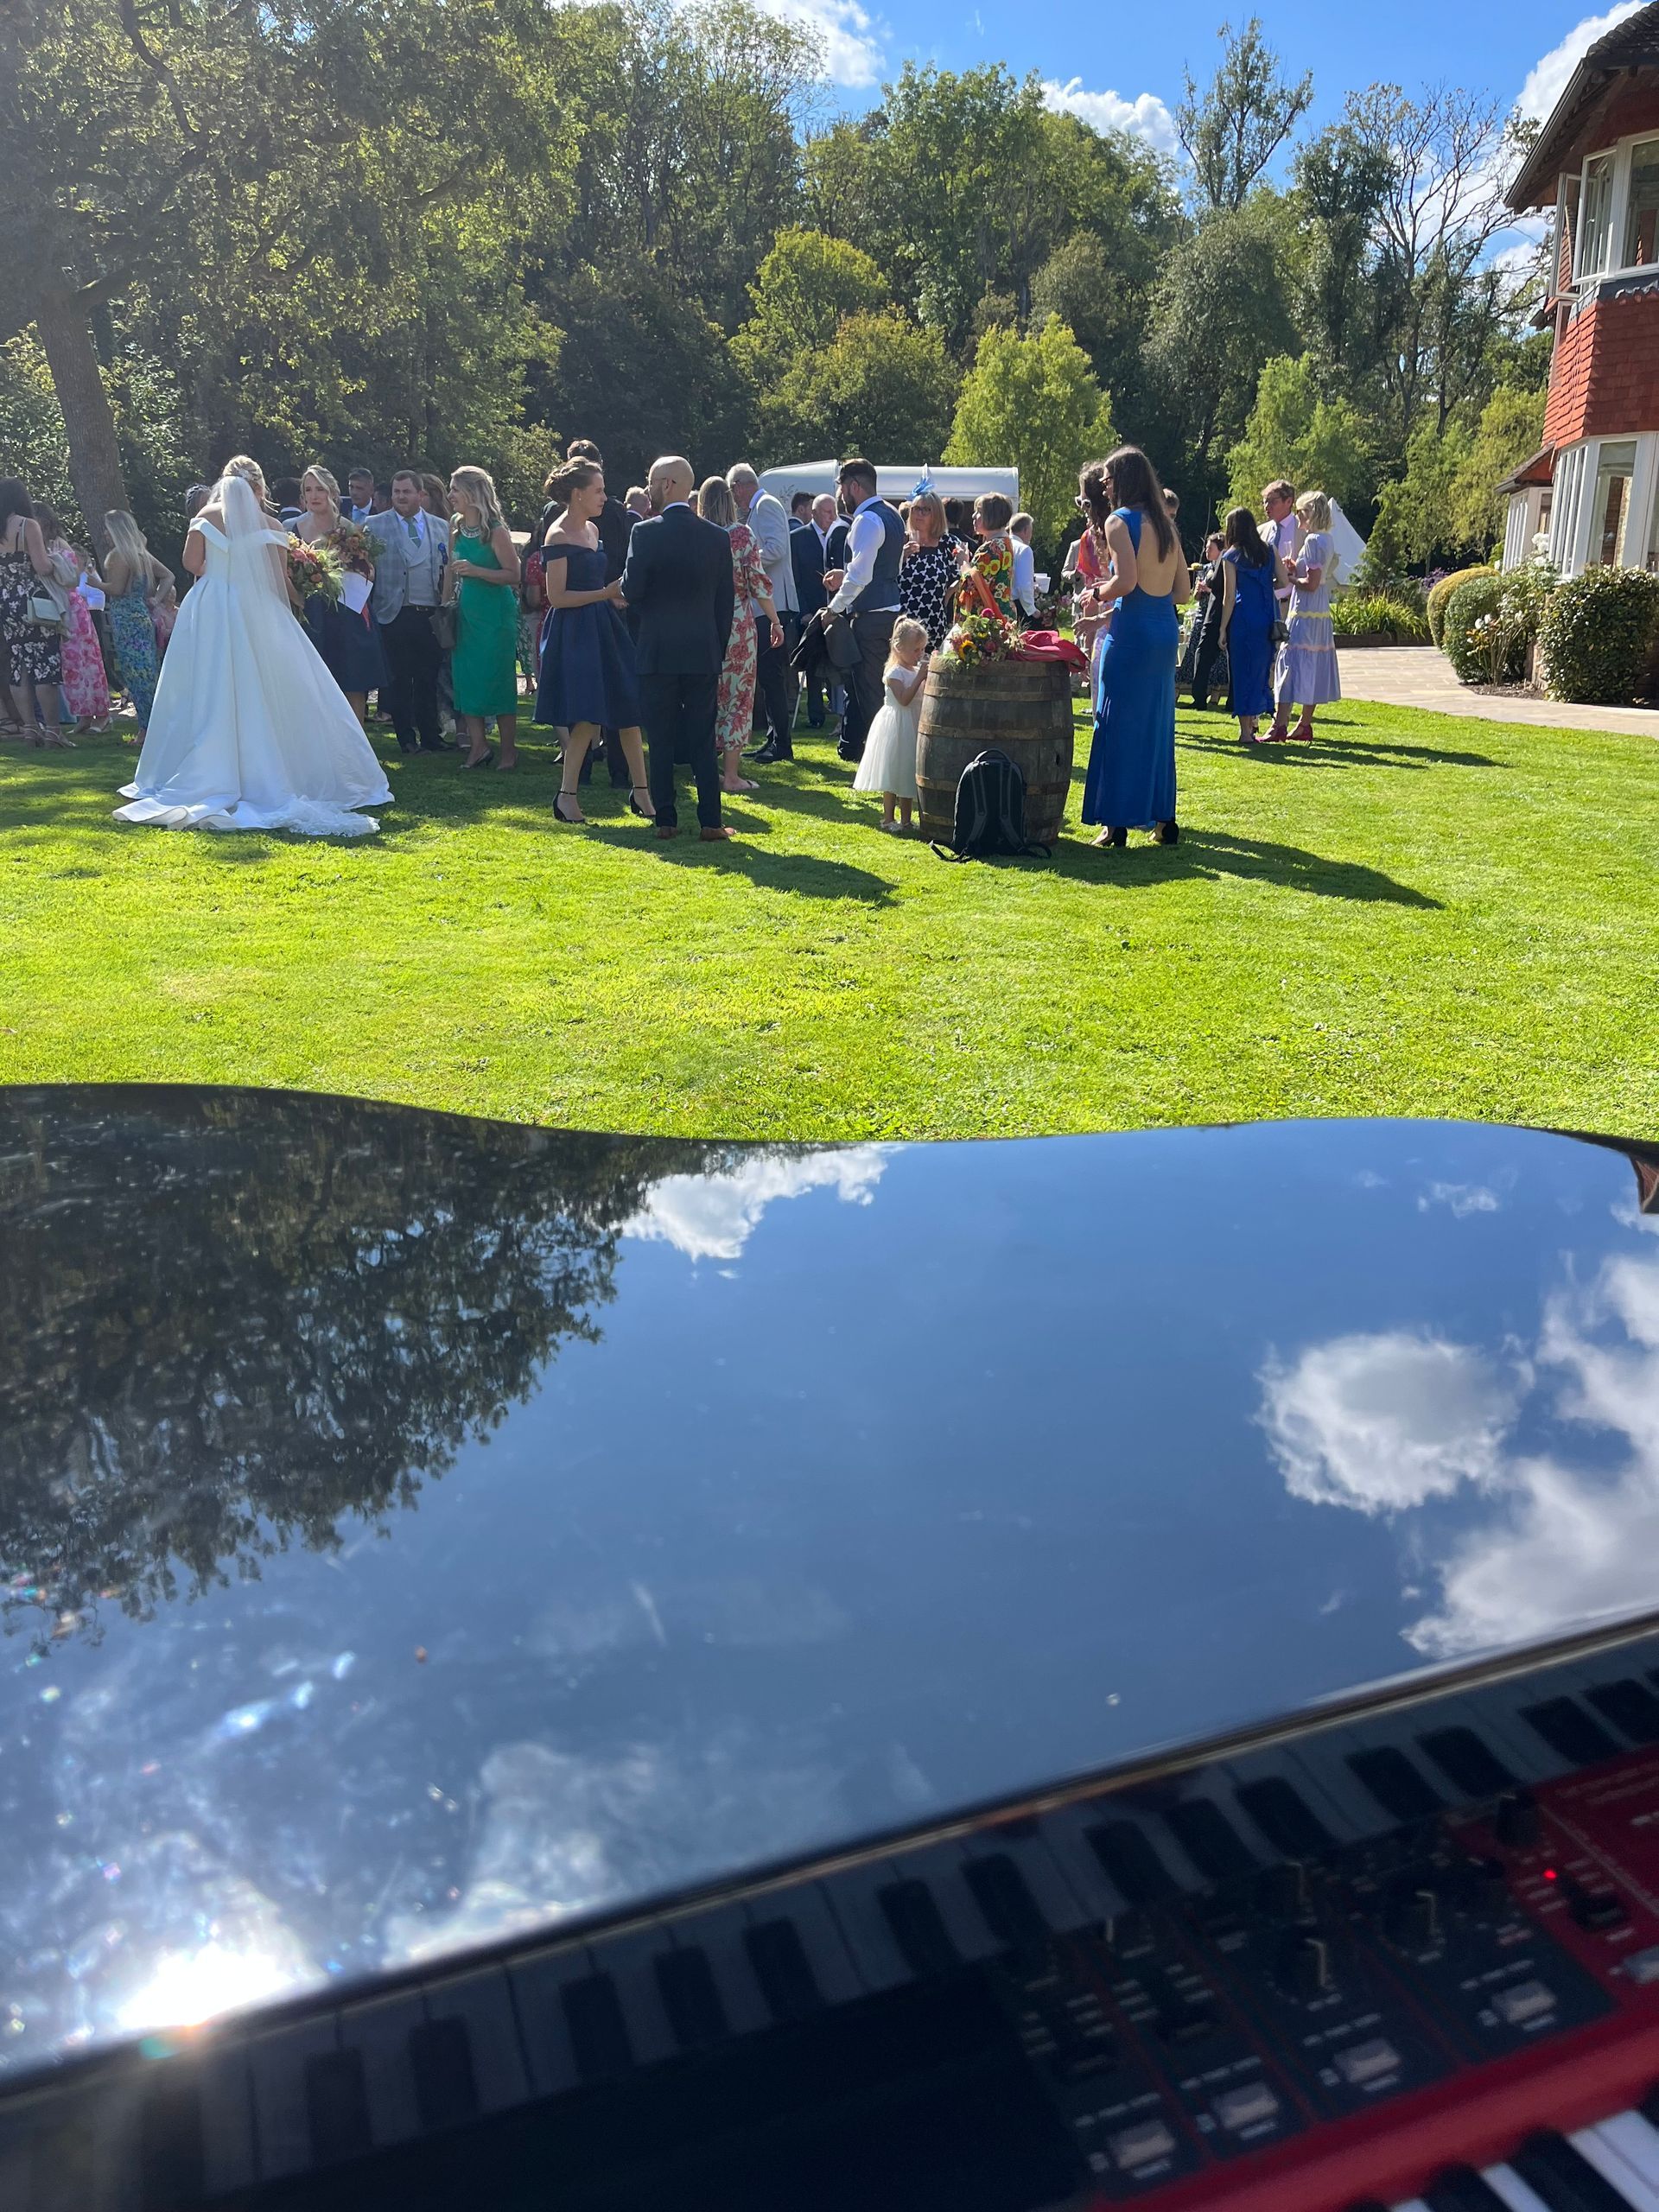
(867, 592)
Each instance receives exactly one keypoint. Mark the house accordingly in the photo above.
(1595, 483)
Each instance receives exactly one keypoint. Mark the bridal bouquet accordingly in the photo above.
(981, 637)
(354, 549)
(313, 571)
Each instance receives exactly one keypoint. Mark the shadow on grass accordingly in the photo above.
(1361, 751)
(800, 873)
(1208, 855)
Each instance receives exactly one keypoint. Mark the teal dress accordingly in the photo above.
(484, 668)
(1131, 781)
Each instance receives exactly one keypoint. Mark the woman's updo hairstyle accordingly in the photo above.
(575, 476)
(242, 464)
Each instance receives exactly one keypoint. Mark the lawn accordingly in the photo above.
(1415, 915)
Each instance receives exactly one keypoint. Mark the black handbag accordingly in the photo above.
(445, 625)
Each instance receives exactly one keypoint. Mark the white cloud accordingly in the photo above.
(712, 1217)
(1462, 1199)
(1145, 117)
(1547, 80)
(1382, 1423)
(853, 53)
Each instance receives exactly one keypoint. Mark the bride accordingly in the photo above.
(249, 731)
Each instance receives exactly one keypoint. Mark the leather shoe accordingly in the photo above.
(765, 754)
(667, 830)
(407, 745)
(849, 752)
(715, 835)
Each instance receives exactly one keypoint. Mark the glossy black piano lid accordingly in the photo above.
(415, 1530)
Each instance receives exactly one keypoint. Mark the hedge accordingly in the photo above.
(1441, 592)
(1598, 634)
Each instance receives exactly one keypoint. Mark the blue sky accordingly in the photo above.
(1123, 65)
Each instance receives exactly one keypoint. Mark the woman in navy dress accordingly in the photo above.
(589, 682)
(1250, 572)
(1131, 779)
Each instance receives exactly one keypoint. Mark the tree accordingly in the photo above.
(1294, 432)
(882, 386)
(1235, 127)
(1342, 178)
(805, 286)
(1032, 403)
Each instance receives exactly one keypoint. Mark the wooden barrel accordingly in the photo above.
(1021, 706)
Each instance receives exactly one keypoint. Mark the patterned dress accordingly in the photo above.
(993, 564)
(35, 652)
(925, 583)
(85, 687)
(737, 676)
(133, 633)
(1306, 674)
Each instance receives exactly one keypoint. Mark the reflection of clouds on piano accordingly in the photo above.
(562, 1833)
(1551, 1538)
(712, 1217)
(1381, 1422)
(1460, 1199)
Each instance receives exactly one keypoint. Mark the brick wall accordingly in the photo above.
(1604, 380)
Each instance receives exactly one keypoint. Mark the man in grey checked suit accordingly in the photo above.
(411, 549)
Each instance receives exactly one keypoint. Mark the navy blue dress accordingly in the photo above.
(349, 643)
(1131, 779)
(587, 667)
(1250, 649)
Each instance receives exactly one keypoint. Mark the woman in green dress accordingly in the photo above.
(483, 578)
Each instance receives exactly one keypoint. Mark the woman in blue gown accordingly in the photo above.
(1131, 779)
(1251, 570)
(588, 681)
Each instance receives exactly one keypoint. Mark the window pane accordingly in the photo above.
(1641, 224)
(1614, 468)
(1596, 215)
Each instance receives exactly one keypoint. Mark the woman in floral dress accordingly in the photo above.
(750, 590)
(85, 686)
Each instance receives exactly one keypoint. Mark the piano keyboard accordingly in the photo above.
(1378, 1966)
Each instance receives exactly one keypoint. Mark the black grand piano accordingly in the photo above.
(596, 1673)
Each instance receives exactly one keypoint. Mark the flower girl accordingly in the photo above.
(889, 762)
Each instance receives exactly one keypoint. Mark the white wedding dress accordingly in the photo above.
(248, 730)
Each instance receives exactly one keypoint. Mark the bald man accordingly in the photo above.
(677, 586)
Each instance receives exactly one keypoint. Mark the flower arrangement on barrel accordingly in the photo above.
(313, 572)
(980, 637)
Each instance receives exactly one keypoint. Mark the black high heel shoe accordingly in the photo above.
(1169, 833)
(570, 821)
(1110, 838)
(634, 806)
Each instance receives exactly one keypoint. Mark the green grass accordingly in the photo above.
(1416, 915)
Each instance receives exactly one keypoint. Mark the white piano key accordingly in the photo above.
(807, 1911)
(227, 2117)
(276, 2069)
(1056, 1899)
(869, 1938)
(536, 1981)
(1635, 2141)
(484, 2000)
(1065, 1832)
(1591, 2145)
(378, 2031)
(939, 1869)
(1504, 2181)
(718, 1934)
(627, 1960)
(1349, 1814)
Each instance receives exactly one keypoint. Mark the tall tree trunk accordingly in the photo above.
(94, 455)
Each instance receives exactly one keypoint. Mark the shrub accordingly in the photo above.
(1379, 614)
(1597, 636)
(1475, 637)
(1441, 592)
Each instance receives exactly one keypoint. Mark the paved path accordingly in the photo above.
(1420, 676)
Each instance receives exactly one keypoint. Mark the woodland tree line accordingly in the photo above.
(466, 229)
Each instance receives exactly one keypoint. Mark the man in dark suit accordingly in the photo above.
(677, 584)
(808, 549)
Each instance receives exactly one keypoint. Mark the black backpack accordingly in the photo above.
(990, 811)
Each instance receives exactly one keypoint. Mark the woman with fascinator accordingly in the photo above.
(248, 730)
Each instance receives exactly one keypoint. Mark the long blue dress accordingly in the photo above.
(1250, 636)
(1131, 779)
(588, 665)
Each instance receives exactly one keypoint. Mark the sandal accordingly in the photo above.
(570, 821)
(634, 806)
(485, 760)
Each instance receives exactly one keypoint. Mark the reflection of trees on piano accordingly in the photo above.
(232, 1321)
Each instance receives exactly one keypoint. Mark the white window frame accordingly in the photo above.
(1622, 154)
(1573, 519)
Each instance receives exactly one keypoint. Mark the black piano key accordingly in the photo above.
(1569, 1730)
(690, 1998)
(1466, 1763)
(1131, 1863)
(783, 1970)
(1460, 2189)
(1402, 1790)
(1004, 1898)
(598, 2034)
(917, 1929)
(1632, 1710)
(1285, 1817)
(337, 2106)
(1209, 1839)
(172, 2164)
(441, 2059)
(1564, 2178)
